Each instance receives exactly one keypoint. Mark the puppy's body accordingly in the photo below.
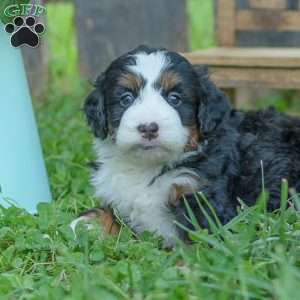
(163, 130)
(273, 140)
(246, 152)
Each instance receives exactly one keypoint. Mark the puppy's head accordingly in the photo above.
(153, 104)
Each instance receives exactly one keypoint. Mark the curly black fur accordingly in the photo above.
(238, 144)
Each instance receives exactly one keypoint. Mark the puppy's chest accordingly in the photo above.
(127, 188)
(142, 205)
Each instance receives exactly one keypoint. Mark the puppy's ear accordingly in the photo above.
(94, 109)
(213, 104)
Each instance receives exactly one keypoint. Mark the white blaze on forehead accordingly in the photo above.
(150, 66)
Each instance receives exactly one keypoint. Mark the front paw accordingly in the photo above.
(177, 194)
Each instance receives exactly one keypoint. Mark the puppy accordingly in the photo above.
(163, 130)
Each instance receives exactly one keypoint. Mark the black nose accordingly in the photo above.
(149, 131)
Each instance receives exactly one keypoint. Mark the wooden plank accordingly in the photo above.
(267, 38)
(107, 29)
(226, 22)
(251, 77)
(268, 4)
(247, 57)
(268, 20)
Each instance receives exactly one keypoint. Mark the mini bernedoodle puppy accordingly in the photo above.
(163, 130)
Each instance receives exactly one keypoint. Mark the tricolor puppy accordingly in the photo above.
(144, 116)
(163, 130)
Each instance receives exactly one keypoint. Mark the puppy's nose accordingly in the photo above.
(149, 131)
(152, 127)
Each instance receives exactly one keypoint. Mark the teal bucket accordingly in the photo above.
(23, 177)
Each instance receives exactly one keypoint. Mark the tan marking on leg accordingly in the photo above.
(105, 219)
(177, 191)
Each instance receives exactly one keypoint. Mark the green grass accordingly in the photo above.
(256, 256)
(201, 25)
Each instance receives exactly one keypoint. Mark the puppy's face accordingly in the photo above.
(147, 103)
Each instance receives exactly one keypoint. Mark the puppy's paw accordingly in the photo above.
(103, 217)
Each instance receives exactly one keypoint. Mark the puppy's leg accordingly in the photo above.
(182, 215)
(177, 206)
(103, 217)
(176, 193)
(223, 205)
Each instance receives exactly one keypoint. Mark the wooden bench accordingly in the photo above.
(232, 66)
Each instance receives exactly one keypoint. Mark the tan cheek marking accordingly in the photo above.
(194, 138)
(105, 219)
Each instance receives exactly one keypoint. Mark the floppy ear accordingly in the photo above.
(213, 104)
(94, 109)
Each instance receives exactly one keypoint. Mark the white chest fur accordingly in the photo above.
(123, 184)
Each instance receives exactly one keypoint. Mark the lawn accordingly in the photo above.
(256, 256)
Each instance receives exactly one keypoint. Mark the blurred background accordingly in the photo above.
(83, 37)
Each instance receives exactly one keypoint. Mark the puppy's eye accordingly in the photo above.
(174, 99)
(126, 99)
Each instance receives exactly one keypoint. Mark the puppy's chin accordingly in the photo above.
(152, 155)
(141, 153)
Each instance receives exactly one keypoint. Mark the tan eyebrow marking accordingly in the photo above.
(169, 80)
(130, 81)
